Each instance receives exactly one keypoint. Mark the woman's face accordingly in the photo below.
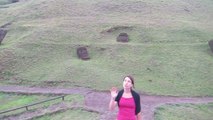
(127, 83)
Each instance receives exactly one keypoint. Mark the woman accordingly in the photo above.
(127, 100)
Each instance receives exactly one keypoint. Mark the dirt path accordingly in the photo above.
(98, 101)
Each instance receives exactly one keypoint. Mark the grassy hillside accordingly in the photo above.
(168, 52)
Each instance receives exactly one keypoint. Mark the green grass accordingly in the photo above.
(11, 101)
(184, 112)
(168, 52)
(4, 2)
(77, 114)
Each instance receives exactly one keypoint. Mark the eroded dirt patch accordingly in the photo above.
(117, 28)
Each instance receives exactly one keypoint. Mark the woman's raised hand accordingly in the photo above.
(114, 92)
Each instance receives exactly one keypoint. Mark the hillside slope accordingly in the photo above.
(168, 52)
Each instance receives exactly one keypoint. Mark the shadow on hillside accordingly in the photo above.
(5, 2)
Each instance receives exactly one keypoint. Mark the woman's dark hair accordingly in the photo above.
(131, 78)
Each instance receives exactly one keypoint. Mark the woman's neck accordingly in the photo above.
(127, 90)
(127, 93)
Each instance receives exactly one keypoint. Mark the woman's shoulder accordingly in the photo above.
(134, 93)
(120, 93)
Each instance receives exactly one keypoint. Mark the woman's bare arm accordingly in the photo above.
(139, 116)
(112, 102)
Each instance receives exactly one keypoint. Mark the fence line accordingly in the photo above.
(26, 106)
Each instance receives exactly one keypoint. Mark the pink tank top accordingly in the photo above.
(126, 109)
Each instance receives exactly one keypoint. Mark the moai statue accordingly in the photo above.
(82, 53)
(123, 37)
(2, 35)
(211, 44)
(14, 1)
